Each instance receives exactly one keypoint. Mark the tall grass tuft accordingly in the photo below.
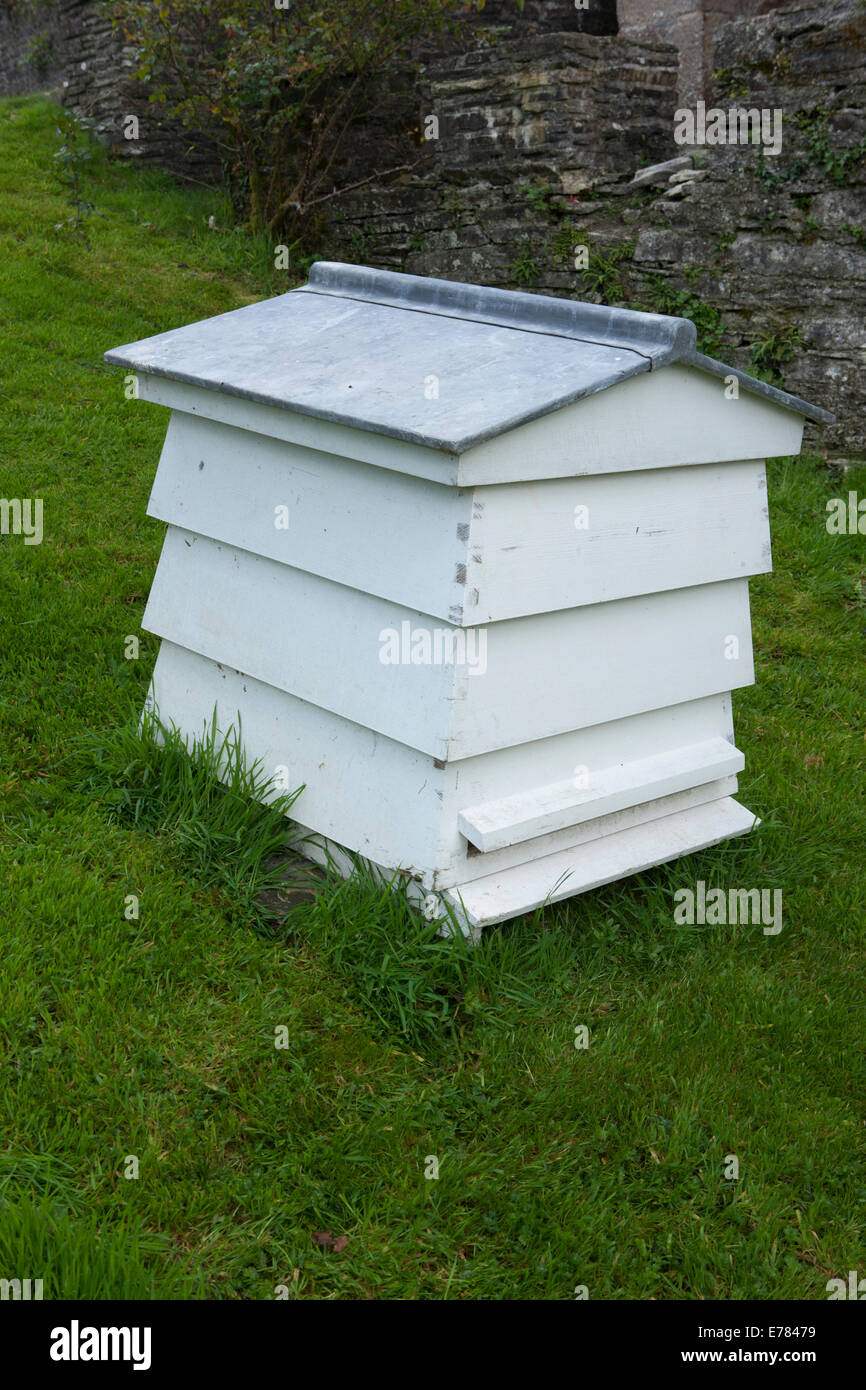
(219, 812)
(91, 1256)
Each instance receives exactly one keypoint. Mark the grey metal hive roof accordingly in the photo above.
(361, 347)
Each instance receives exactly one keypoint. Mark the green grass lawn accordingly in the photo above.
(154, 1038)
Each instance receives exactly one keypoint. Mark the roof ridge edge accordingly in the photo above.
(659, 337)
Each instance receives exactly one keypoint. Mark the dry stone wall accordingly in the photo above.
(529, 182)
(554, 113)
(538, 145)
(70, 48)
(779, 244)
(29, 53)
(692, 25)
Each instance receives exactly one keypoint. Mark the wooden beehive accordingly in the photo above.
(473, 566)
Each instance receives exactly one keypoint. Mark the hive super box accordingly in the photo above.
(472, 566)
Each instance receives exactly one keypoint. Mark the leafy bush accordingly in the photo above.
(276, 89)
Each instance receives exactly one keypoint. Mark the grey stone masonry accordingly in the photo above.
(530, 183)
(538, 149)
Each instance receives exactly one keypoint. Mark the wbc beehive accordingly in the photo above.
(472, 565)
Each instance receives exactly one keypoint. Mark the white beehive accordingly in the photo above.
(472, 565)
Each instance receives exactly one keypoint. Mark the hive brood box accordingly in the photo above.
(472, 565)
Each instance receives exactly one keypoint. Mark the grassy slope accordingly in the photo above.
(155, 1037)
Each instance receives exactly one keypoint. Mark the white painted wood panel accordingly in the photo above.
(542, 881)
(323, 642)
(539, 546)
(560, 805)
(361, 790)
(667, 418)
(584, 666)
(379, 449)
(507, 551)
(388, 802)
(331, 516)
(300, 633)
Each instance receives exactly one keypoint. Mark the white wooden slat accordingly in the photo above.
(345, 767)
(504, 551)
(323, 642)
(662, 419)
(511, 820)
(317, 512)
(584, 752)
(669, 418)
(539, 546)
(471, 864)
(531, 885)
(357, 786)
(379, 449)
